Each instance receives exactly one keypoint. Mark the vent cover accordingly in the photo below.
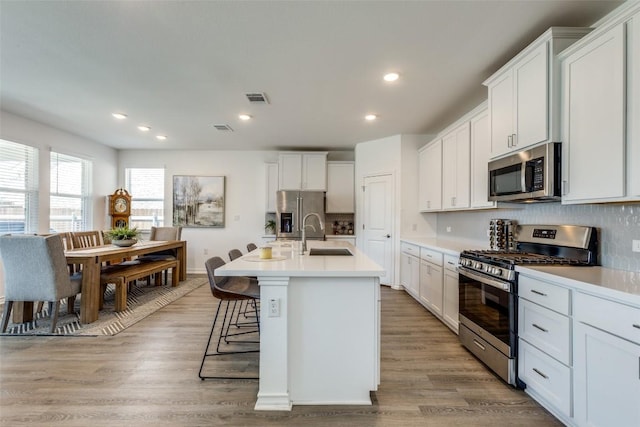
(257, 98)
(223, 128)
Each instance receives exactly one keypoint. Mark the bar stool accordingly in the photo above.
(251, 247)
(230, 290)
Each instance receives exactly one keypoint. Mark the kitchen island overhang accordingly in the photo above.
(319, 326)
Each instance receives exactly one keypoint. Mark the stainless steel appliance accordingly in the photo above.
(488, 286)
(527, 176)
(291, 209)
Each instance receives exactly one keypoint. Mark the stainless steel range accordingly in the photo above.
(489, 284)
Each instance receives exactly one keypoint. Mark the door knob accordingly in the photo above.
(388, 236)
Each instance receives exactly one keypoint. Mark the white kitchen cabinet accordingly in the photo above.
(456, 168)
(410, 269)
(271, 181)
(302, 171)
(480, 153)
(450, 293)
(544, 350)
(601, 115)
(607, 362)
(524, 94)
(340, 187)
(431, 281)
(430, 177)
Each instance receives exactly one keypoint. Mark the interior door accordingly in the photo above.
(378, 223)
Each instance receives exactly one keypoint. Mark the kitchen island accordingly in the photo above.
(319, 325)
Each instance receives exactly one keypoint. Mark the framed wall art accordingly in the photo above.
(198, 201)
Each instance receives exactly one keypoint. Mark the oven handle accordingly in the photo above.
(499, 284)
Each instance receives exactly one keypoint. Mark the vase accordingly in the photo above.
(125, 243)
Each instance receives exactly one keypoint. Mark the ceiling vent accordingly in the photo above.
(223, 128)
(257, 98)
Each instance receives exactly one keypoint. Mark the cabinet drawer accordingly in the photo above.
(548, 378)
(451, 262)
(545, 294)
(432, 256)
(618, 319)
(545, 329)
(410, 249)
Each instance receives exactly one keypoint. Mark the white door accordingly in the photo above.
(378, 223)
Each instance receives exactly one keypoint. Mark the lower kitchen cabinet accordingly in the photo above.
(607, 363)
(431, 281)
(410, 269)
(451, 295)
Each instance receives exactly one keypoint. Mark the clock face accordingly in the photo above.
(120, 205)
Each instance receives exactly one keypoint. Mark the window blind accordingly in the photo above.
(18, 188)
(146, 186)
(70, 193)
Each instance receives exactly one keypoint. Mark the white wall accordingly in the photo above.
(46, 139)
(245, 196)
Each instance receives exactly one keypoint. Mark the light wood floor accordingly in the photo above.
(147, 375)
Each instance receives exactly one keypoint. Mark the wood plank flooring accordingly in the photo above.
(148, 376)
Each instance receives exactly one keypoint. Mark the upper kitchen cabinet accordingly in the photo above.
(480, 153)
(302, 171)
(430, 177)
(524, 95)
(601, 112)
(455, 168)
(271, 178)
(340, 187)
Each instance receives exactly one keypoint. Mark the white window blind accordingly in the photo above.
(146, 186)
(70, 196)
(18, 188)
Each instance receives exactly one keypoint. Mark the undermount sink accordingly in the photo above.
(330, 251)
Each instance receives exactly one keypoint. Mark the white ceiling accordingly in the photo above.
(181, 67)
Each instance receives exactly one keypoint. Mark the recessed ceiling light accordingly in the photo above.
(391, 77)
(161, 137)
(144, 128)
(244, 117)
(119, 116)
(370, 117)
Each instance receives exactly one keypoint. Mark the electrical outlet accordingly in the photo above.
(414, 227)
(635, 246)
(206, 251)
(448, 229)
(488, 233)
(274, 308)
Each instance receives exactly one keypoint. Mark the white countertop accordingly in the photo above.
(620, 285)
(447, 246)
(287, 262)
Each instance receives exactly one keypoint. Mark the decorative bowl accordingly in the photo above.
(125, 242)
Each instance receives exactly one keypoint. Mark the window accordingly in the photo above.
(18, 188)
(70, 197)
(146, 186)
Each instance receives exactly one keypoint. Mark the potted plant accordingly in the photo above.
(270, 227)
(123, 236)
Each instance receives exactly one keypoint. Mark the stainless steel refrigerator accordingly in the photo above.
(292, 207)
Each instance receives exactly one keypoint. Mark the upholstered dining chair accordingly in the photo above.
(165, 234)
(234, 254)
(35, 269)
(229, 290)
(251, 247)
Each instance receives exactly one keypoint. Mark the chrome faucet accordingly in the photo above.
(303, 246)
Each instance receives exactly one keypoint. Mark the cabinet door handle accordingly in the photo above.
(514, 140)
(539, 327)
(509, 139)
(540, 373)
(636, 326)
(538, 293)
(565, 187)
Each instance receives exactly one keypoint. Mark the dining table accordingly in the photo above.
(91, 260)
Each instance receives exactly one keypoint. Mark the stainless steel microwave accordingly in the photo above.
(527, 176)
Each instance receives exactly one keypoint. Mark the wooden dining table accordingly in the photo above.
(93, 258)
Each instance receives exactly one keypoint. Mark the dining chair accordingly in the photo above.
(163, 233)
(251, 247)
(230, 290)
(85, 239)
(234, 254)
(35, 269)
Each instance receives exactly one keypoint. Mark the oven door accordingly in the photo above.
(488, 308)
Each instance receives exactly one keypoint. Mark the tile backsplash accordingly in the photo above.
(618, 224)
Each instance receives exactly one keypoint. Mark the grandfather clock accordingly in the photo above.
(120, 208)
